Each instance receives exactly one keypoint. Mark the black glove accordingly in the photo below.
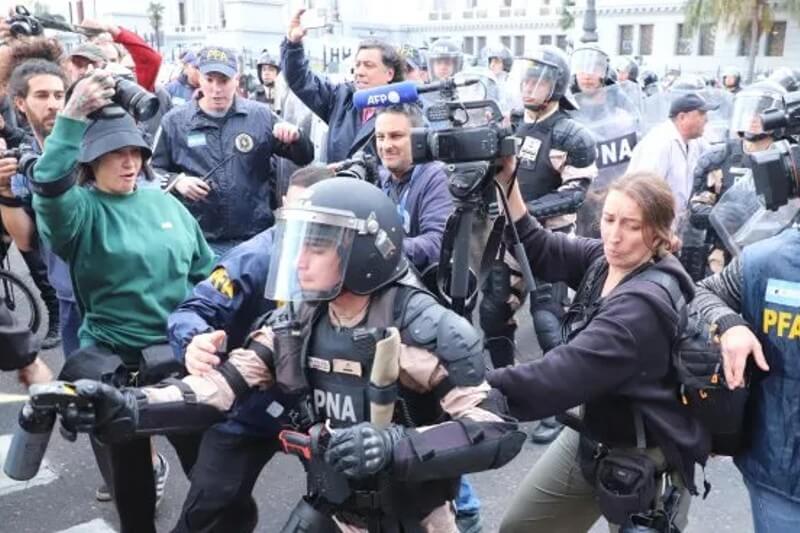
(362, 450)
(495, 312)
(113, 413)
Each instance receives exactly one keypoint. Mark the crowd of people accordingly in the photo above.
(212, 274)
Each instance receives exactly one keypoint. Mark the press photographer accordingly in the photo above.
(126, 280)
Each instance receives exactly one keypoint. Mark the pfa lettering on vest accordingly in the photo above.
(781, 316)
(334, 405)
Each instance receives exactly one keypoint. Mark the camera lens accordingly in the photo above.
(141, 104)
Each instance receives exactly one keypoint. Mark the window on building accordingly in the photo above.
(561, 41)
(708, 37)
(519, 45)
(545, 39)
(506, 40)
(745, 39)
(469, 45)
(683, 41)
(481, 43)
(646, 39)
(181, 13)
(472, 4)
(625, 42)
(507, 3)
(776, 39)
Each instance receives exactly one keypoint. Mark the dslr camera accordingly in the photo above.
(129, 97)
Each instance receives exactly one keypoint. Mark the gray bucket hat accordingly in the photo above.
(106, 135)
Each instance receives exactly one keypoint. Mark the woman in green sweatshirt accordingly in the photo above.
(134, 254)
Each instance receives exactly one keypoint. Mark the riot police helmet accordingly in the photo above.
(341, 234)
(627, 69)
(445, 59)
(266, 59)
(787, 78)
(732, 74)
(649, 81)
(544, 76)
(750, 103)
(591, 66)
(497, 51)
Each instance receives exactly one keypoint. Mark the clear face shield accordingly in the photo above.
(589, 67)
(537, 82)
(740, 217)
(310, 254)
(747, 109)
(444, 65)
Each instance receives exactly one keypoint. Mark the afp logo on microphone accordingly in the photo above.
(392, 97)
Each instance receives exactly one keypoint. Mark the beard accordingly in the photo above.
(43, 125)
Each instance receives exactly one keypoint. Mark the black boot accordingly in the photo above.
(38, 271)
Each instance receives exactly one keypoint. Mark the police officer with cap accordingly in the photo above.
(378, 357)
(267, 69)
(556, 164)
(182, 88)
(216, 153)
(416, 63)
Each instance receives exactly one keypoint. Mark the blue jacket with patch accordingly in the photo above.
(332, 102)
(771, 304)
(233, 154)
(207, 309)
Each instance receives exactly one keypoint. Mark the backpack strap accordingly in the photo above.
(669, 284)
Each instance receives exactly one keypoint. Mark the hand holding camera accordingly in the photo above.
(90, 94)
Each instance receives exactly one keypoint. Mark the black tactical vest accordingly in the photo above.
(536, 174)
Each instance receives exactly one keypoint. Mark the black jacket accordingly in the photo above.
(621, 358)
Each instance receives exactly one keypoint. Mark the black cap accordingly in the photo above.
(108, 134)
(690, 102)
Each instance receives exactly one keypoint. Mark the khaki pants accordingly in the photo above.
(555, 498)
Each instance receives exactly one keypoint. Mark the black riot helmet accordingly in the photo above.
(544, 70)
(627, 65)
(750, 103)
(787, 78)
(589, 62)
(500, 52)
(342, 234)
(688, 84)
(649, 82)
(444, 50)
(734, 73)
(266, 59)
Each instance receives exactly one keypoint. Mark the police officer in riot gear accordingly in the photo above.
(267, 69)
(717, 170)
(377, 357)
(732, 79)
(649, 82)
(556, 164)
(498, 59)
(627, 69)
(445, 59)
(416, 63)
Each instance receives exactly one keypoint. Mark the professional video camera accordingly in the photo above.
(23, 23)
(470, 148)
(776, 172)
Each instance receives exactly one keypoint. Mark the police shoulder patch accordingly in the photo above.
(220, 280)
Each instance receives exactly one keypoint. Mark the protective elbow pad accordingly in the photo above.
(558, 203)
(455, 448)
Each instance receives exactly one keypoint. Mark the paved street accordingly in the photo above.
(62, 497)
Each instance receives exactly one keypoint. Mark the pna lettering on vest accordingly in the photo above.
(615, 151)
(336, 406)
